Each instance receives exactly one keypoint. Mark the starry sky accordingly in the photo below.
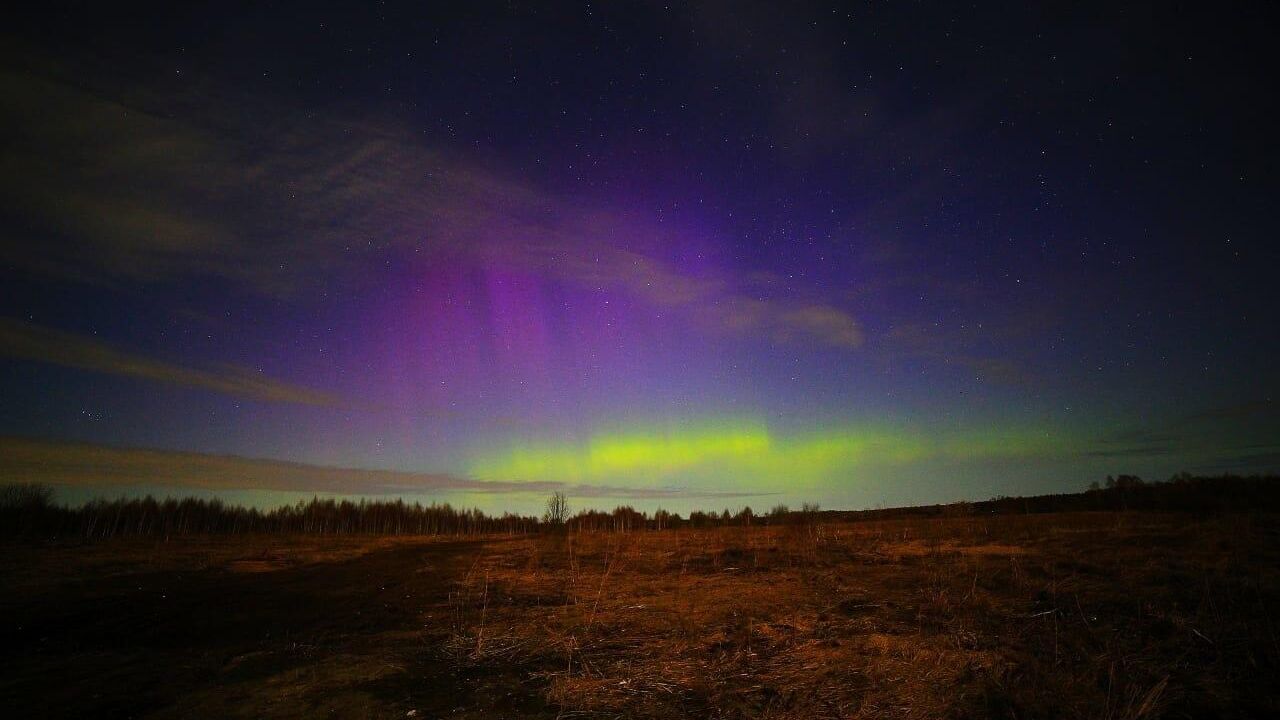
(658, 254)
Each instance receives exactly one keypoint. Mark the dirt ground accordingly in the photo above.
(1097, 615)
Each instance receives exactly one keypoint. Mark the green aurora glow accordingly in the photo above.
(703, 454)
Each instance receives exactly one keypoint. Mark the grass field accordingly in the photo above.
(1089, 615)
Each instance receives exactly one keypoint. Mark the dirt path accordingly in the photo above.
(355, 638)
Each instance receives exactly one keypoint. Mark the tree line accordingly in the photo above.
(625, 518)
(28, 509)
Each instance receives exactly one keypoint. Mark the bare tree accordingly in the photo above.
(26, 496)
(557, 510)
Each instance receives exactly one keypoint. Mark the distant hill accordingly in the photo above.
(1181, 493)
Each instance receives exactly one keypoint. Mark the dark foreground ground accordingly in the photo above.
(1093, 615)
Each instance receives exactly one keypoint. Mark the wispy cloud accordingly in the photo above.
(137, 190)
(1237, 411)
(958, 346)
(1200, 433)
(33, 342)
(1136, 451)
(1135, 443)
(1244, 459)
(103, 467)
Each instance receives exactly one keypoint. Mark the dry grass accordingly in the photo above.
(34, 567)
(1091, 615)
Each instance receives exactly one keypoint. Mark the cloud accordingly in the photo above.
(836, 326)
(32, 342)
(715, 302)
(102, 467)
(957, 346)
(1195, 433)
(1238, 411)
(816, 109)
(134, 187)
(1260, 458)
(1138, 442)
(1140, 436)
(1138, 451)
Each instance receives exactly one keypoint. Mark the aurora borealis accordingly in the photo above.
(689, 256)
(748, 452)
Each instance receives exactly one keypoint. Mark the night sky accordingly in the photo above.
(654, 254)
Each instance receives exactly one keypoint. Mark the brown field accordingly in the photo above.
(1089, 615)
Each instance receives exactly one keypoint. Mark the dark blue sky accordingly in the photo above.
(852, 253)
